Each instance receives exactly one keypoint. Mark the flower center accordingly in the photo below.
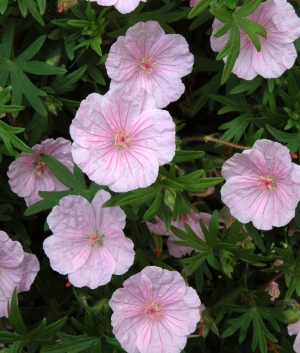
(152, 311)
(95, 240)
(184, 218)
(266, 183)
(147, 65)
(122, 138)
(40, 168)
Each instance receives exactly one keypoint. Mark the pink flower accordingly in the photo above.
(17, 269)
(123, 6)
(121, 139)
(88, 243)
(262, 185)
(277, 52)
(28, 173)
(154, 312)
(192, 219)
(273, 290)
(147, 57)
(294, 329)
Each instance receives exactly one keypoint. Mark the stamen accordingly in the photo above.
(152, 311)
(147, 65)
(95, 240)
(122, 138)
(266, 183)
(40, 168)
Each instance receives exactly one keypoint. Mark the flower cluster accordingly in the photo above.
(28, 173)
(192, 219)
(262, 185)
(277, 52)
(17, 269)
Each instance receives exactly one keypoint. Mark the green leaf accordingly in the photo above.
(17, 346)
(32, 50)
(7, 40)
(50, 330)
(248, 8)
(40, 68)
(61, 172)
(255, 236)
(198, 8)
(8, 337)
(74, 344)
(3, 6)
(292, 139)
(46, 204)
(155, 206)
(135, 197)
(187, 156)
(14, 315)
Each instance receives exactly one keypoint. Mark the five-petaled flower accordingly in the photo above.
(121, 139)
(147, 57)
(154, 312)
(277, 52)
(88, 243)
(28, 173)
(262, 185)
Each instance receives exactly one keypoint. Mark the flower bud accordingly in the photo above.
(170, 198)
(291, 316)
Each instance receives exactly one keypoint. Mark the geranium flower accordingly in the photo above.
(277, 52)
(192, 219)
(154, 312)
(17, 269)
(88, 243)
(262, 185)
(123, 6)
(147, 57)
(28, 173)
(294, 329)
(121, 139)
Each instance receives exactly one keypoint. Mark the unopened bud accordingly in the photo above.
(169, 199)
(227, 262)
(65, 5)
(101, 304)
(273, 290)
(291, 316)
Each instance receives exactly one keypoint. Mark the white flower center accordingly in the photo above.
(152, 311)
(122, 138)
(95, 240)
(266, 182)
(147, 65)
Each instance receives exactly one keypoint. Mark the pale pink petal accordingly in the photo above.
(218, 43)
(121, 249)
(126, 322)
(3, 306)
(96, 271)
(126, 6)
(155, 337)
(30, 267)
(107, 216)
(294, 329)
(193, 2)
(273, 59)
(296, 345)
